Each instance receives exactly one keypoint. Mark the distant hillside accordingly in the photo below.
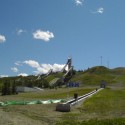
(91, 76)
(118, 71)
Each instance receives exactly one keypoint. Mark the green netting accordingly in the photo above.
(30, 102)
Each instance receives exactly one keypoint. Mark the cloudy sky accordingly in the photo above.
(39, 35)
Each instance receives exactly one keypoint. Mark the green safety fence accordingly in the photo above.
(31, 102)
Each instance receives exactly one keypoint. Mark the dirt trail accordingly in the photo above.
(11, 118)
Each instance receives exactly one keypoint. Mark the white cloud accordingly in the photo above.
(23, 74)
(43, 35)
(58, 67)
(20, 31)
(43, 68)
(2, 39)
(79, 2)
(14, 69)
(99, 10)
(46, 67)
(1, 76)
(18, 63)
(32, 63)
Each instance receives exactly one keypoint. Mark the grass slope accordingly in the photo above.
(36, 114)
(91, 76)
(104, 108)
(94, 75)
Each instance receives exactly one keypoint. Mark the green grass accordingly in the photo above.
(104, 108)
(56, 94)
(91, 76)
(44, 114)
(120, 78)
(60, 93)
(117, 121)
(107, 107)
(107, 102)
(93, 79)
(52, 76)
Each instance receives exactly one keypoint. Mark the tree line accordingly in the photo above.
(9, 86)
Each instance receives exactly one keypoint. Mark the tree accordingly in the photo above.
(14, 91)
(45, 83)
(6, 88)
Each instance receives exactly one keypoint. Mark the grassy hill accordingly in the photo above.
(94, 75)
(90, 77)
(103, 108)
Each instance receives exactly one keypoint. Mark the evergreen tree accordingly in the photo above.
(6, 89)
(14, 88)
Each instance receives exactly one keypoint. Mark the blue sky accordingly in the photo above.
(38, 35)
